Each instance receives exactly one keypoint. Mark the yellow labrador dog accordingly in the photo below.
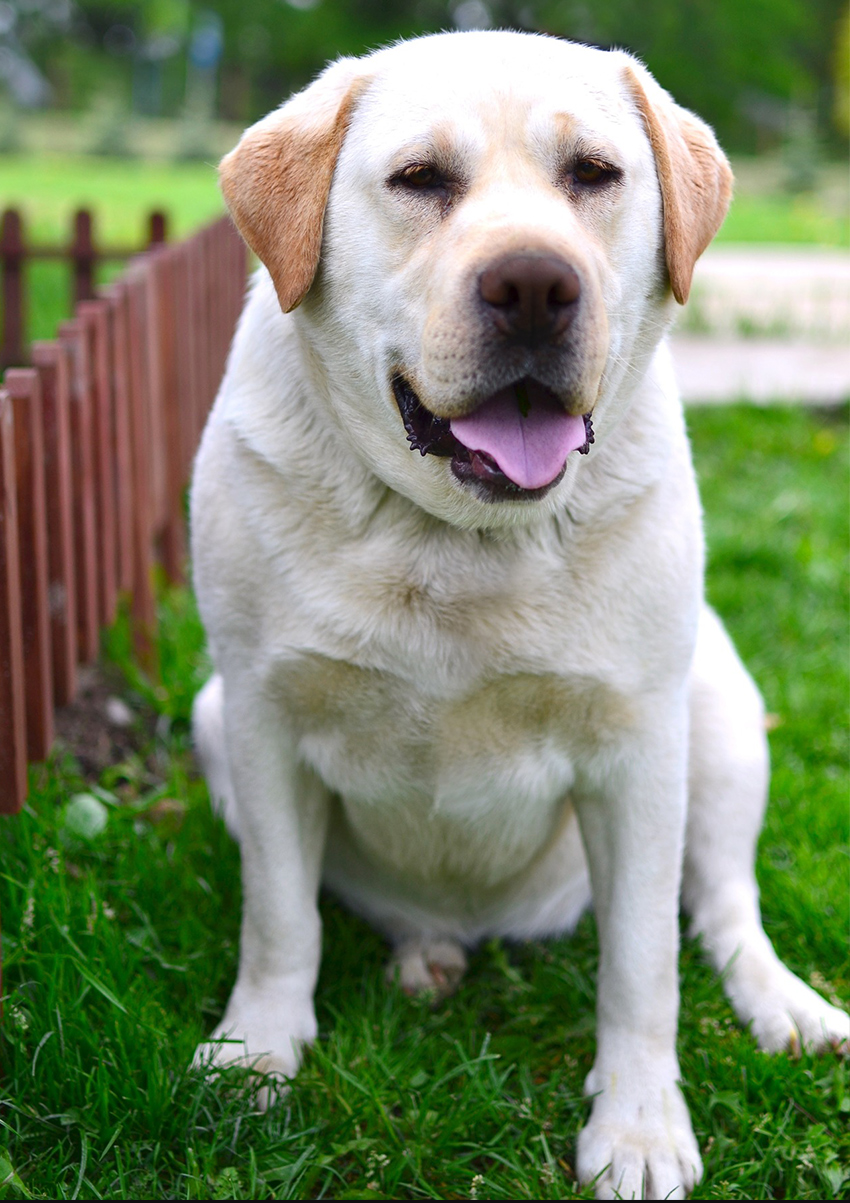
(447, 548)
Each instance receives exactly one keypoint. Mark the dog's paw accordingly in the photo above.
(424, 966)
(260, 1036)
(790, 1016)
(638, 1143)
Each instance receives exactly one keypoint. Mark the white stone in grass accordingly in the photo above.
(118, 712)
(86, 816)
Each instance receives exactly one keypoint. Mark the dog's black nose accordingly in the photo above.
(530, 298)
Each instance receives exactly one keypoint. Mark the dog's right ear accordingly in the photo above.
(276, 181)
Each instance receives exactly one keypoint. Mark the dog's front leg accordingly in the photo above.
(638, 1141)
(282, 813)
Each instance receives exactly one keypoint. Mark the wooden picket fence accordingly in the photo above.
(96, 444)
(82, 253)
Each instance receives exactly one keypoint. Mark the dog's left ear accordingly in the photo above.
(276, 182)
(694, 174)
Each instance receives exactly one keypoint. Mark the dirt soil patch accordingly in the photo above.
(103, 726)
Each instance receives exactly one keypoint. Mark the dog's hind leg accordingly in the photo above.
(728, 777)
(427, 966)
(210, 749)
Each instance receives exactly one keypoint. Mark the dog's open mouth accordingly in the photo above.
(515, 444)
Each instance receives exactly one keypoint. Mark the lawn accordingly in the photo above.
(121, 938)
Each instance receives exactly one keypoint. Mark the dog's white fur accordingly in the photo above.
(467, 718)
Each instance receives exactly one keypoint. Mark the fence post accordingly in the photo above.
(183, 358)
(116, 298)
(83, 256)
(157, 229)
(24, 388)
(94, 318)
(73, 336)
(13, 735)
(12, 264)
(161, 268)
(54, 368)
(144, 604)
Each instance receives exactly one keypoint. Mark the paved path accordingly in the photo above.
(761, 370)
(767, 324)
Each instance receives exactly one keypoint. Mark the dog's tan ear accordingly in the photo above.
(276, 181)
(694, 173)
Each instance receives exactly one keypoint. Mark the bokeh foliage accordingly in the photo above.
(753, 69)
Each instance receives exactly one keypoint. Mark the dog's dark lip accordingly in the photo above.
(426, 433)
(431, 435)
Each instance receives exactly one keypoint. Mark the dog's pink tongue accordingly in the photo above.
(530, 450)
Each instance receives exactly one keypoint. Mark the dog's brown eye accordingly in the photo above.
(594, 171)
(421, 177)
(588, 171)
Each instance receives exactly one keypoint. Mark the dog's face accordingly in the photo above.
(484, 230)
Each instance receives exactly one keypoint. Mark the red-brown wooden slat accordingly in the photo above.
(24, 388)
(83, 256)
(157, 228)
(195, 344)
(94, 317)
(52, 360)
(13, 735)
(153, 391)
(183, 363)
(12, 253)
(174, 531)
(208, 345)
(143, 601)
(73, 335)
(116, 297)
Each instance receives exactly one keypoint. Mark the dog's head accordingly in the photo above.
(483, 232)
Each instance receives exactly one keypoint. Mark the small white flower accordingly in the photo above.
(19, 1019)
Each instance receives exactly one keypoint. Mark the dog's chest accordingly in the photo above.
(467, 687)
(436, 784)
(446, 751)
(448, 704)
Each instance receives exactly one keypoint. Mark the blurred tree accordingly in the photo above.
(746, 65)
(737, 63)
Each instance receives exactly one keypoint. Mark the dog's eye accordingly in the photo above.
(592, 172)
(421, 177)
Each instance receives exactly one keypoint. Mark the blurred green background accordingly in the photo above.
(123, 107)
(766, 73)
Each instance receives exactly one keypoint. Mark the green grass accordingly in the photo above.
(780, 218)
(120, 949)
(764, 208)
(48, 189)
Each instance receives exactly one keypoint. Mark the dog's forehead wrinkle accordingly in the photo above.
(473, 141)
(417, 87)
